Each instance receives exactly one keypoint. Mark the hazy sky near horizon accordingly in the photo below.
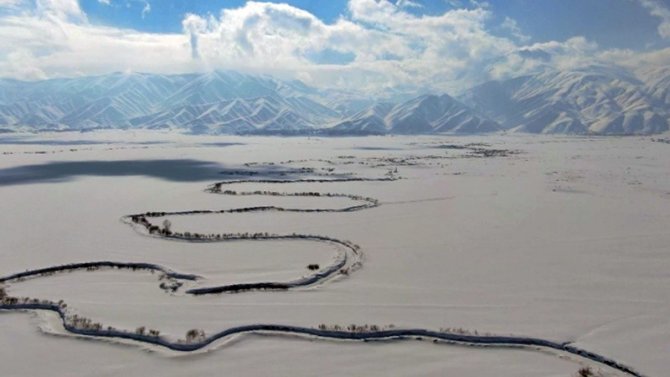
(373, 45)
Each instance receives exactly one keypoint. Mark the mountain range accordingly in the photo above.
(595, 100)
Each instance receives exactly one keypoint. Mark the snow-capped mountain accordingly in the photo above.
(657, 82)
(421, 115)
(85, 102)
(596, 100)
(437, 114)
(270, 114)
(219, 86)
(212, 102)
(368, 121)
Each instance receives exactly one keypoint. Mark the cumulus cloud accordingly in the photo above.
(193, 26)
(385, 45)
(55, 39)
(389, 47)
(63, 10)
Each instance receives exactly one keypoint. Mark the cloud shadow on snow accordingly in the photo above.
(177, 170)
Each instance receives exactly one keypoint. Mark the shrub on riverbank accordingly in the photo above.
(195, 336)
(353, 328)
(585, 372)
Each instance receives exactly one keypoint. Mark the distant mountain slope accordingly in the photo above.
(437, 114)
(657, 82)
(597, 100)
(421, 115)
(270, 114)
(85, 102)
(145, 100)
(219, 86)
(368, 121)
(593, 100)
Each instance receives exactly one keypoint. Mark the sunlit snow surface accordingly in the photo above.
(566, 240)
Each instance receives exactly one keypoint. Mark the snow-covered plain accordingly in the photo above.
(565, 240)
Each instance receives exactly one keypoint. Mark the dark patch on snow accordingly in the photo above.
(183, 170)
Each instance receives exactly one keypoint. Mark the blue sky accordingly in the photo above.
(370, 45)
(166, 15)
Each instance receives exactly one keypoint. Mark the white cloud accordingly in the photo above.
(449, 50)
(390, 47)
(56, 39)
(408, 4)
(64, 10)
(513, 28)
(105, 2)
(146, 9)
(657, 9)
(636, 61)
(573, 53)
(10, 3)
(193, 26)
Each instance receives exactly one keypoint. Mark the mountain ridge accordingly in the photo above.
(591, 100)
(597, 100)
